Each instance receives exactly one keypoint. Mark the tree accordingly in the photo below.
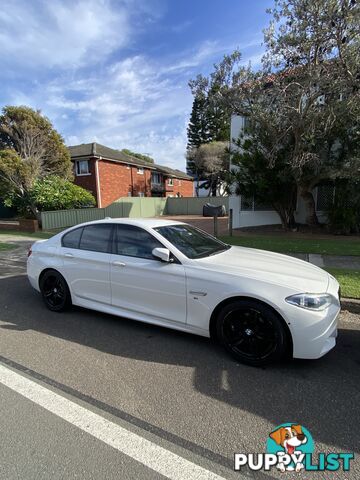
(140, 156)
(197, 132)
(210, 118)
(198, 128)
(215, 113)
(253, 177)
(30, 149)
(318, 44)
(35, 140)
(50, 193)
(305, 99)
(56, 193)
(212, 159)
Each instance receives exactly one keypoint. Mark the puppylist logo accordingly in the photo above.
(290, 447)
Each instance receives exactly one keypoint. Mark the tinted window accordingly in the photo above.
(135, 242)
(72, 239)
(96, 238)
(191, 241)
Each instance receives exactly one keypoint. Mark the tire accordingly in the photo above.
(251, 332)
(55, 291)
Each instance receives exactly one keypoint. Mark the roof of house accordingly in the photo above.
(97, 150)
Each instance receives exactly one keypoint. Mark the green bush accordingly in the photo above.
(55, 193)
(344, 213)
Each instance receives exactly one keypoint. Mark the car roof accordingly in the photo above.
(139, 222)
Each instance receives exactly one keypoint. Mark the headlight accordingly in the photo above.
(311, 301)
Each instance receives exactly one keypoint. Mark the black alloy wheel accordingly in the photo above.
(55, 292)
(251, 332)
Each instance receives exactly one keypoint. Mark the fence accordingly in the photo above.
(129, 207)
(193, 205)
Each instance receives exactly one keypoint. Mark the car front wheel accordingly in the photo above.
(55, 292)
(251, 332)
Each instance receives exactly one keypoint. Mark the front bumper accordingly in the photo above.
(315, 334)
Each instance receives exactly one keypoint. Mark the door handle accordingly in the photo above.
(119, 264)
(69, 255)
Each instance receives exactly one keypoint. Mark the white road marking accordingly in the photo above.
(144, 451)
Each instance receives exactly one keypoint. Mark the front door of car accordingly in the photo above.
(141, 283)
(86, 262)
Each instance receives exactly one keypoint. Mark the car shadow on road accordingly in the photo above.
(323, 395)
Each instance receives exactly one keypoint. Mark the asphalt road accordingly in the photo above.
(181, 392)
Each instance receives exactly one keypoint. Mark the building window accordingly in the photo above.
(171, 182)
(179, 183)
(129, 194)
(141, 194)
(249, 204)
(324, 197)
(128, 166)
(156, 178)
(140, 171)
(82, 167)
(246, 123)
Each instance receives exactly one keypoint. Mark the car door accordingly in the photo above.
(143, 284)
(86, 262)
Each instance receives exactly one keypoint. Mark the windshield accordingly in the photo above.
(191, 241)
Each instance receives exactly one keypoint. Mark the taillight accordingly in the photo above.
(29, 252)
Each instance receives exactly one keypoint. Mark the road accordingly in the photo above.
(170, 396)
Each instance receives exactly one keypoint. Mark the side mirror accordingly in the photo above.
(162, 253)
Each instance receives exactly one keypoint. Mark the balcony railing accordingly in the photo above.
(157, 187)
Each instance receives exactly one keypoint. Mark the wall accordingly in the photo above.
(180, 186)
(193, 206)
(129, 207)
(267, 217)
(118, 180)
(88, 181)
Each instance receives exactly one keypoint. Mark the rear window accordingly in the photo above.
(72, 239)
(96, 238)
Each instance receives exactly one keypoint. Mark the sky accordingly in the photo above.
(116, 72)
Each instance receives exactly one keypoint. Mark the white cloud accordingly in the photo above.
(60, 33)
(73, 62)
(132, 104)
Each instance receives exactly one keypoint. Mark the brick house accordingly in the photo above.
(110, 174)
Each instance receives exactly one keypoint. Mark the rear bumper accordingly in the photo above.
(33, 274)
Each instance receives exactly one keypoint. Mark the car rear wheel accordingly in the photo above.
(251, 332)
(55, 291)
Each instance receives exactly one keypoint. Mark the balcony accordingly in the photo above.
(157, 187)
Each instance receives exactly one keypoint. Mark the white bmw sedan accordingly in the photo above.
(259, 305)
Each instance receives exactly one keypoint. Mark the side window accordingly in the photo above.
(72, 239)
(133, 241)
(96, 238)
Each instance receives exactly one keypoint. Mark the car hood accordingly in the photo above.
(268, 267)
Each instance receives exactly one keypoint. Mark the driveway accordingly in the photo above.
(181, 391)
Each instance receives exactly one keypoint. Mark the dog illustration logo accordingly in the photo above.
(290, 441)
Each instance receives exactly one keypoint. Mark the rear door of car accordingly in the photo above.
(143, 284)
(86, 261)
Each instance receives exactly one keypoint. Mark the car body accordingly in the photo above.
(185, 293)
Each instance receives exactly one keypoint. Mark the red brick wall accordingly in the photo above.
(117, 179)
(183, 187)
(142, 182)
(186, 187)
(87, 181)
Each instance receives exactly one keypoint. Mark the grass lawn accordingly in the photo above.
(349, 281)
(276, 243)
(6, 246)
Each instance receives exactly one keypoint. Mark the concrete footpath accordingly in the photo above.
(330, 261)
